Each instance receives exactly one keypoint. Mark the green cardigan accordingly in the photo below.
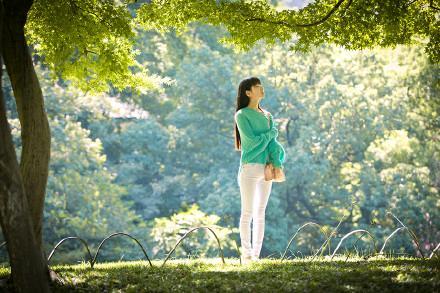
(258, 138)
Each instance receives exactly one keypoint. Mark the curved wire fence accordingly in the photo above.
(351, 233)
(70, 238)
(119, 234)
(333, 233)
(297, 231)
(186, 234)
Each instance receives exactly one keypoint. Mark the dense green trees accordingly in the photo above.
(349, 124)
(336, 118)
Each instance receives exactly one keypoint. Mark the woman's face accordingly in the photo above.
(256, 92)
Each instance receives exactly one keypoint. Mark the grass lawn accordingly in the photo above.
(268, 275)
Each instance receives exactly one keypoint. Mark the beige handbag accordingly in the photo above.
(268, 172)
(274, 174)
(278, 175)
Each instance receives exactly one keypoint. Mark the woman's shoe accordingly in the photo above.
(245, 260)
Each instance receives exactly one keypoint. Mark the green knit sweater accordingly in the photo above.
(258, 138)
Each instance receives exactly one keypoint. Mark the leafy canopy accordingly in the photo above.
(351, 24)
(91, 42)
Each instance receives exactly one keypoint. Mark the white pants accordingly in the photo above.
(255, 193)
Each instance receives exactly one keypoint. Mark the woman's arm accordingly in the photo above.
(277, 153)
(275, 149)
(256, 143)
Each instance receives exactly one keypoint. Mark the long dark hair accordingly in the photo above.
(243, 101)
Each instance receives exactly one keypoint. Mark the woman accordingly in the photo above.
(255, 135)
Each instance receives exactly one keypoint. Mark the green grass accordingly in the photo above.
(268, 275)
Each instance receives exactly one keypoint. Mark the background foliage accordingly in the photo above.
(360, 128)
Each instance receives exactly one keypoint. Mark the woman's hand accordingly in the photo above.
(274, 132)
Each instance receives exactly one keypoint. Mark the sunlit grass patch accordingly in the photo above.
(355, 274)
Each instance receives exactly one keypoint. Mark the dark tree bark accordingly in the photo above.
(35, 132)
(22, 188)
(28, 267)
(29, 270)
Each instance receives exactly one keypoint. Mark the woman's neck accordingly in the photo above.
(253, 105)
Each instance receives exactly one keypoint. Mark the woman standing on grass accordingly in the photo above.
(255, 136)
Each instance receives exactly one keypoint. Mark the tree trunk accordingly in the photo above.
(35, 132)
(21, 203)
(29, 271)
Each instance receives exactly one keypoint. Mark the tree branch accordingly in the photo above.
(348, 6)
(272, 22)
(90, 51)
(431, 5)
(327, 16)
